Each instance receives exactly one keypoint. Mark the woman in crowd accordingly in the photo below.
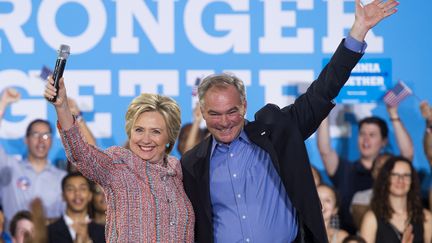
(329, 203)
(98, 205)
(143, 185)
(426, 111)
(397, 214)
(360, 203)
(350, 177)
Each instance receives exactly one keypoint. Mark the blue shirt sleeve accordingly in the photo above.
(355, 45)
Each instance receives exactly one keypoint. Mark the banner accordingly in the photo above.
(120, 49)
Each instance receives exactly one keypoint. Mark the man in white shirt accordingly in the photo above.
(23, 180)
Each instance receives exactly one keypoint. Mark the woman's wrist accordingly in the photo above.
(78, 117)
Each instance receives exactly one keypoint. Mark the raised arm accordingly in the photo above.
(369, 227)
(95, 164)
(328, 154)
(9, 96)
(194, 135)
(427, 226)
(85, 131)
(426, 112)
(403, 138)
(366, 17)
(64, 114)
(315, 105)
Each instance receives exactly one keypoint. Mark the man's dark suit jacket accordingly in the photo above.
(280, 132)
(58, 232)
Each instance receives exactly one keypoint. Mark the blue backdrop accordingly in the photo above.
(122, 48)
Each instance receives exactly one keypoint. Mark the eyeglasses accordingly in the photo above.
(397, 176)
(38, 135)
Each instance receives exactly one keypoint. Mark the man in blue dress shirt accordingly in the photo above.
(251, 181)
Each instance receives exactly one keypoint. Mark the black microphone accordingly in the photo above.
(63, 54)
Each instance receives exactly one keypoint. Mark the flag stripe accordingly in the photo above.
(395, 95)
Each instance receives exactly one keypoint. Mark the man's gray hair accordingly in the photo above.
(221, 80)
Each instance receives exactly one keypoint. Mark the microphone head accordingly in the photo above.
(63, 51)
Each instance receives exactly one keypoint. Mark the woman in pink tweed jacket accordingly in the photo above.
(143, 185)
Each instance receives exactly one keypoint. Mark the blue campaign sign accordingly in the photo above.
(368, 82)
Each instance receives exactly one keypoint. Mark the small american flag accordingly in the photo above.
(395, 95)
(45, 72)
(195, 87)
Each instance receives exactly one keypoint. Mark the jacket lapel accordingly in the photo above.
(64, 230)
(202, 174)
(260, 135)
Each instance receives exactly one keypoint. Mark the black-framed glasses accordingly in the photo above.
(397, 176)
(40, 135)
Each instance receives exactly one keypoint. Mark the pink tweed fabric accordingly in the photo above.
(146, 201)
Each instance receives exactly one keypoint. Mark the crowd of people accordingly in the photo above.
(236, 181)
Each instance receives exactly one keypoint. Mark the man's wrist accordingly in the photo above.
(355, 45)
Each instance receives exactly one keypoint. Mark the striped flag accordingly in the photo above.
(395, 95)
(195, 87)
(45, 72)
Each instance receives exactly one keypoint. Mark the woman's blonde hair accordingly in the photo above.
(166, 106)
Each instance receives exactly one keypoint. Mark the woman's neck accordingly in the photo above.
(399, 204)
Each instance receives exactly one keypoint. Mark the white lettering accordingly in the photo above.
(338, 22)
(238, 27)
(365, 81)
(30, 109)
(275, 20)
(148, 81)
(274, 80)
(82, 43)
(100, 80)
(367, 67)
(160, 33)
(11, 24)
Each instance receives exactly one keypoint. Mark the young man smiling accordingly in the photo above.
(75, 225)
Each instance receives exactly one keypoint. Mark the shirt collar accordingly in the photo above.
(48, 165)
(242, 137)
(69, 221)
(360, 168)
